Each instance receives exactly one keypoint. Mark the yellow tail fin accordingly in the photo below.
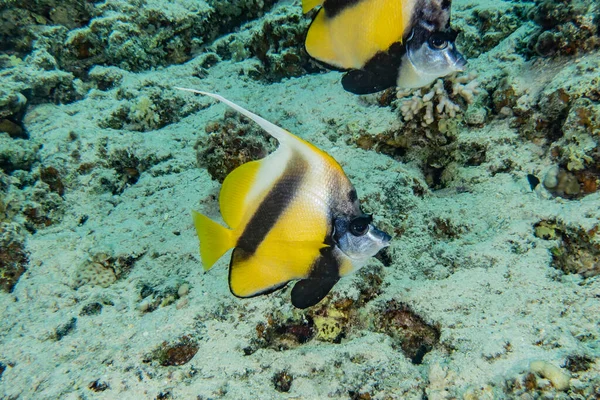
(308, 5)
(214, 238)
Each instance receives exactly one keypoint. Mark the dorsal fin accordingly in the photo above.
(278, 133)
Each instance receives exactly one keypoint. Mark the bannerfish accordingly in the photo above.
(293, 216)
(384, 43)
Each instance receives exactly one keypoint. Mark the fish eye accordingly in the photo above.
(437, 42)
(360, 225)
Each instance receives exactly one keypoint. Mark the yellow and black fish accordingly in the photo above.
(384, 43)
(294, 215)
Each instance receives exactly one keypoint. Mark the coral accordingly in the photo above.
(140, 35)
(12, 108)
(231, 142)
(282, 381)
(565, 27)
(106, 78)
(95, 271)
(410, 332)
(63, 330)
(98, 386)
(149, 107)
(578, 251)
(542, 380)
(446, 229)
(282, 334)
(153, 298)
(483, 28)
(174, 354)
(578, 363)
(17, 154)
(561, 183)
(91, 309)
(557, 376)
(52, 177)
(444, 100)
(332, 319)
(102, 269)
(41, 206)
(277, 43)
(13, 256)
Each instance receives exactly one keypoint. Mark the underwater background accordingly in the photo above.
(488, 181)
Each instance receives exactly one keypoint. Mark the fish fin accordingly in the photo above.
(278, 133)
(308, 292)
(233, 199)
(214, 238)
(325, 272)
(360, 81)
(270, 267)
(290, 141)
(308, 5)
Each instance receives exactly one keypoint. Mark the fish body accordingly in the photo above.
(384, 43)
(294, 215)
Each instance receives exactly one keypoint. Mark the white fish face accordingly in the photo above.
(434, 54)
(359, 239)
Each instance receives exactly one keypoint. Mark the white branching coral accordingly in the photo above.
(436, 101)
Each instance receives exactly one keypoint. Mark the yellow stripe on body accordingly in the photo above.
(352, 37)
(287, 252)
(233, 198)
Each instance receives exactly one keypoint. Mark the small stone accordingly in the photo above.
(183, 290)
(551, 178)
(557, 376)
(143, 306)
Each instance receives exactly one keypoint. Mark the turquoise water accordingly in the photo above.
(487, 181)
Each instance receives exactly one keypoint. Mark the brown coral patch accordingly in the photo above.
(175, 354)
(282, 335)
(13, 262)
(282, 381)
(51, 176)
(578, 363)
(578, 251)
(231, 142)
(411, 334)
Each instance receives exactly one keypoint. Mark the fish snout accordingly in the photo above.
(460, 63)
(382, 237)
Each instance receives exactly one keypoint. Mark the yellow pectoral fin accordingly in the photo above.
(270, 267)
(214, 238)
(233, 196)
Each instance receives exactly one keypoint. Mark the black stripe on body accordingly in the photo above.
(334, 7)
(379, 73)
(273, 206)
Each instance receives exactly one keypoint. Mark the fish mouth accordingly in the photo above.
(381, 236)
(460, 63)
